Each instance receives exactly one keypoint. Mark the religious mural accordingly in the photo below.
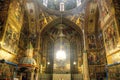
(77, 19)
(100, 41)
(105, 7)
(1, 24)
(44, 19)
(23, 40)
(97, 58)
(11, 39)
(13, 27)
(91, 41)
(31, 16)
(102, 57)
(110, 36)
(24, 32)
(92, 58)
(4, 6)
(6, 71)
(97, 54)
(114, 72)
(117, 12)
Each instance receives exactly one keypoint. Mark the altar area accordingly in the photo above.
(61, 76)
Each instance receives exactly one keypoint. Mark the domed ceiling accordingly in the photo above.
(55, 4)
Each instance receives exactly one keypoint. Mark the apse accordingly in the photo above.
(61, 46)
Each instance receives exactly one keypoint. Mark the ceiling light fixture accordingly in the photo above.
(60, 55)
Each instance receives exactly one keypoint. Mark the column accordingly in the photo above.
(20, 76)
(31, 74)
(36, 74)
(85, 67)
(85, 61)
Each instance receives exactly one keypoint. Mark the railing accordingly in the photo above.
(61, 77)
(45, 77)
(76, 77)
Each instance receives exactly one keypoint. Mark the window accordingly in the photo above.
(78, 2)
(61, 6)
(45, 2)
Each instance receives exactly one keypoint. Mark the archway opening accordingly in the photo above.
(62, 45)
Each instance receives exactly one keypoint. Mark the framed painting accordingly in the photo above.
(110, 36)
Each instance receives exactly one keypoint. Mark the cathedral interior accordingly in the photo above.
(59, 40)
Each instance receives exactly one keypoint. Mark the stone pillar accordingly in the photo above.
(31, 74)
(36, 74)
(85, 61)
(85, 67)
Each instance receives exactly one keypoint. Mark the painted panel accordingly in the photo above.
(92, 41)
(4, 6)
(106, 10)
(110, 37)
(6, 72)
(13, 27)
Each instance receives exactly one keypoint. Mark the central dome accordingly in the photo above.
(61, 5)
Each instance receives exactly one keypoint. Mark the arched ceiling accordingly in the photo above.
(48, 19)
(65, 29)
(68, 26)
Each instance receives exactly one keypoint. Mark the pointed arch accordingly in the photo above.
(64, 21)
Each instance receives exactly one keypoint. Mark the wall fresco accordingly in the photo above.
(110, 37)
(92, 41)
(106, 10)
(6, 71)
(13, 27)
(4, 6)
(92, 58)
(11, 39)
(44, 19)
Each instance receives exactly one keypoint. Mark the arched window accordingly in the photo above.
(62, 8)
(78, 2)
(45, 2)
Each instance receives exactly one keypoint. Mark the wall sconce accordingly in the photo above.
(74, 63)
(48, 63)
